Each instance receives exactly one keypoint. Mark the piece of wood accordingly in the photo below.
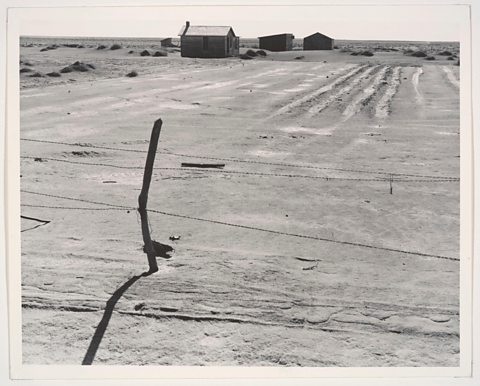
(143, 197)
(202, 165)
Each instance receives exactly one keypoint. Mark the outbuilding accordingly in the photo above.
(317, 41)
(197, 41)
(167, 42)
(280, 42)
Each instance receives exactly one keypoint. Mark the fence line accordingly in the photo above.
(88, 145)
(326, 178)
(350, 243)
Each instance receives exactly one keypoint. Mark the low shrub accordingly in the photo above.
(245, 56)
(261, 53)
(299, 57)
(450, 58)
(160, 53)
(101, 47)
(144, 53)
(430, 58)
(445, 53)
(132, 74)
(66, 70)
(115, 46)
(22, 70)
(77, 66)
(36, 75)
(251, 53)
(53, 74)
(418, 54)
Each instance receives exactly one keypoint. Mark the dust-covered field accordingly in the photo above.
(330, 238)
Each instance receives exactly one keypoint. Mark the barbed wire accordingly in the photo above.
(350, 243)
(237, 172)
(283, 164)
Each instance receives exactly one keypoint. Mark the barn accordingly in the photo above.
(199, 41)
(280, 42)
(317, 41)
(167, 42)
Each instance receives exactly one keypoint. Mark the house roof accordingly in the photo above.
(206, 30)
(271, 36)
(318, 34)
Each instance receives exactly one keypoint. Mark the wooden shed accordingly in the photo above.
(208, 41)
(317, 41)
(280, 42)
(167, 42)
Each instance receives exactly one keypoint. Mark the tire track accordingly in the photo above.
(384, 105)
(351, 85)
(415, 82)
(451, 76)
(322, 90)
(365, 97)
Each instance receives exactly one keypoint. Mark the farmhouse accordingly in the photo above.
(167, 42)
(281, 42)
(317, 41)
(208, 41)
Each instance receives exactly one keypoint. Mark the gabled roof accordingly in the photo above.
(318, 34)
(206, 30)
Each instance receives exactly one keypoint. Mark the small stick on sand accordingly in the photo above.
(143, 197)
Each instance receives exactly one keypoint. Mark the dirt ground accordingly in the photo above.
(341, 171)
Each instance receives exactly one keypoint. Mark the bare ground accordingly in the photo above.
(322, 141)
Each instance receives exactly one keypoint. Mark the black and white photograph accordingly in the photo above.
(247, 186)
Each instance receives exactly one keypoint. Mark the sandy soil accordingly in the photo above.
(310, 146)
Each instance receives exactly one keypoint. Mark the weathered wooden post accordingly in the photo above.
(143, 197)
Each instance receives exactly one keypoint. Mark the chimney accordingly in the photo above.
(187, 24)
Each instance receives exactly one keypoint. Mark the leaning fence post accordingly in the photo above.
(143, 197)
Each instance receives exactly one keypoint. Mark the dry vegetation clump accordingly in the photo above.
(300, 57)
(160, 53)
(245, 56)
(362, 53)
(71, 45)
(48, 48)
(115, 46)
(418, 54)
(261, 53)
(36, 75)
(101, 47)
(132, 74)
(53, 74)
(22, 70)
(144, 53)
(445, 53)
(26, 63)
(78, 67)
(131, 52)
(251, 53)
(430, 58)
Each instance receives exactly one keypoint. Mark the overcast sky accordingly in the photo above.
(430, 23)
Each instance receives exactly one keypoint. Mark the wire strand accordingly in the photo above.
(355, 244)
(88, 145)
(237, 172)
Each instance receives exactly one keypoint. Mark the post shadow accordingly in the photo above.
(102, 326)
